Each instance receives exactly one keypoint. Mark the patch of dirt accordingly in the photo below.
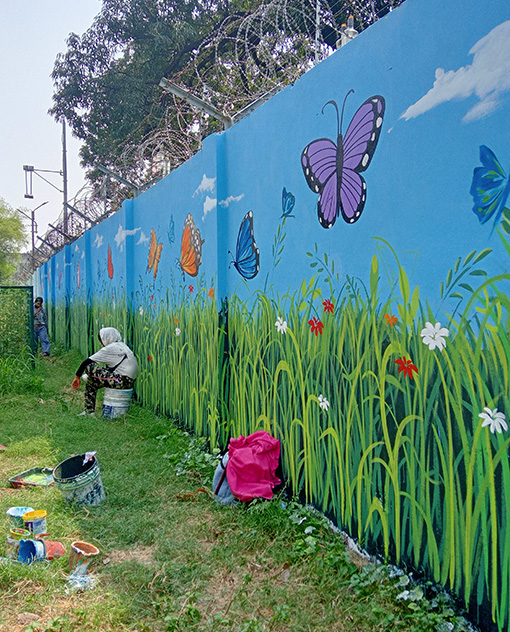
(141, 554)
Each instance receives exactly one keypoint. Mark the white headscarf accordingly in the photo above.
(107, 335)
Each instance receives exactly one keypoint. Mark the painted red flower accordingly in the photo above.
(190, 288)
(149, 358)
(152, 297)
(176, 320)
(391, 320)
(210, 294)
(406, 366)
(316, 326)
(328, 306)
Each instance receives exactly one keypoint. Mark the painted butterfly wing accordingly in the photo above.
(157, 257)
(154, 254)
(191, 248)
(362, 135)
(319, 162)
(358, 147)
(288, 201)
(171, 230)
(490, 187)
(247, 259)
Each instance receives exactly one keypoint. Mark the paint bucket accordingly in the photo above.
(31, 551)
(79, 482)
(116, 402)
(54, 549)
(12, 543)
(35, 521)
(15, 515)
(82, 554)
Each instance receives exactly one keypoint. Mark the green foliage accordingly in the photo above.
(16, 324)
(12, 238)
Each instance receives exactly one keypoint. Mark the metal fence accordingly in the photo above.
(16, 320)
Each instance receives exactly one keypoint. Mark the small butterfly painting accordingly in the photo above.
(288, 201)
(171, 230)
(333, 170)
(191, 248)
(490, 188)
(247, 257)
(154, 254)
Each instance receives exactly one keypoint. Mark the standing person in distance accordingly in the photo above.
(41, 326)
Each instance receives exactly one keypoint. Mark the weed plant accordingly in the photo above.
(171, 558)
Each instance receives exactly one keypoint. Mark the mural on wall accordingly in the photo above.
(332, 170)
(379, 354)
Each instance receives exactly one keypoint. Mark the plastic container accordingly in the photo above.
(82, 554)
(15, 515)
(79, 482)
(35, 521)
(116, 402)
(31, 551)
(53, 549)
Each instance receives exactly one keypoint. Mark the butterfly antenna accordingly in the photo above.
(343, 107)
(336, 108)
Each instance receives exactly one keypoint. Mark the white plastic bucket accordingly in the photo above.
(116, 402)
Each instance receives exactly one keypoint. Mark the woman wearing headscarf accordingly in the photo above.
(120, 370)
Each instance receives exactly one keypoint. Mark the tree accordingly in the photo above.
(12, 238)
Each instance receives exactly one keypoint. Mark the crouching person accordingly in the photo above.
(120, 370)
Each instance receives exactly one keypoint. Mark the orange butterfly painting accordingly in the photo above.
(154, 254)
(191, 248)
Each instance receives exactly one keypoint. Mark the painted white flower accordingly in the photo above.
(140, 310)
(281, 325)
(177, 331)
(494, 419)
(433, 336)
(323, 402)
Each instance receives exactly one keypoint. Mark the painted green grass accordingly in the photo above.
(402, 464)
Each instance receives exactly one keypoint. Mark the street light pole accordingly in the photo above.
(34, 229)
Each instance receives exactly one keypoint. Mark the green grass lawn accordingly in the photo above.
(171, 558)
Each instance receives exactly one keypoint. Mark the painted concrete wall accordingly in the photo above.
(376, 349)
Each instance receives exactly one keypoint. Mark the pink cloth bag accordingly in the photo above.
(252, 465)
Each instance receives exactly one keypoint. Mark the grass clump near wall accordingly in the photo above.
(171, 558)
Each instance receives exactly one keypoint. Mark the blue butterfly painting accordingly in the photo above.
(333, 170)
(288, 201)
(247, 257)
(490, 188)
(171, 230)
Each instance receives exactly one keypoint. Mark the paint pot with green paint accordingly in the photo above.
(79, 480)
(116, 402)
(15, 515)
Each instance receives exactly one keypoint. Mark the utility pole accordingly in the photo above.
(64, 173)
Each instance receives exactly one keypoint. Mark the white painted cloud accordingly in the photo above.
(143, 239)
(487, 78)
(120, 237)
(209, 205)
(231, 199)
(98, 241)
(76, 248)
(207, 185)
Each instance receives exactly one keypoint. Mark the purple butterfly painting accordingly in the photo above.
(333, 171)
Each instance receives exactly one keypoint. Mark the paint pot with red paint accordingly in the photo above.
(54, 549)
(82, 554)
